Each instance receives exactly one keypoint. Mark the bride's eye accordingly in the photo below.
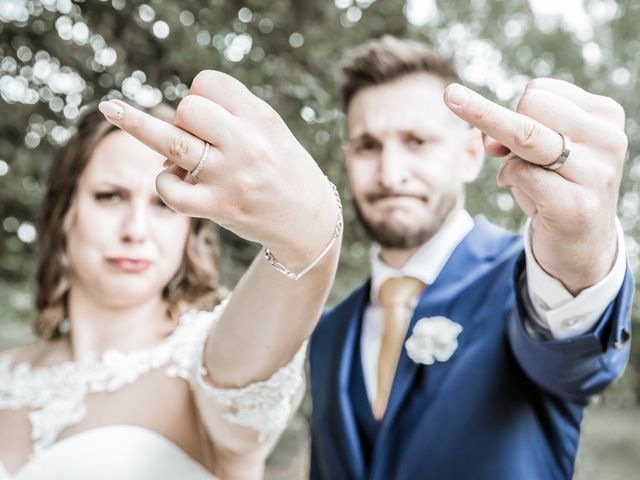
(108, 197)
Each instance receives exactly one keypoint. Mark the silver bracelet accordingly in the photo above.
(336, 234)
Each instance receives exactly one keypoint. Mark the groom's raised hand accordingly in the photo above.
(573, 208)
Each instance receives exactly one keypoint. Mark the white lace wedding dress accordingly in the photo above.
(56, 398)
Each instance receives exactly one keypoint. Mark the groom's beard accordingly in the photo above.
(404, 237)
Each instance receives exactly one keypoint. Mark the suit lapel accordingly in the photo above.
(478, 246)
(344, 423)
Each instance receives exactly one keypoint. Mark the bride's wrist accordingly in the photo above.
(294, 259)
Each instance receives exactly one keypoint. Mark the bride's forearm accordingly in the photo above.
(266, 321)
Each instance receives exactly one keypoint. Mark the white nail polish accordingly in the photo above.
(111, 110)
(458, 95)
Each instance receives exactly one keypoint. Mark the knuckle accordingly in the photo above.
(236, 213)
(226, 211)
(253, 152)
(584, 208)
(614, 142)
(483, 112)
(604, 172)
(618, 113)
(502, 178)
(609, 105)
(182, 111)
(179, 148)
(609, 175)
(268, 115)
(624, 143)
(179, 204)
(618, 143)
(527, 135)
(204, 79)
(521, 171)
(547, 83)
(512, 172)
(612, 179)
(207, 81)
(533, 84)
(247, 187)
(526, 102)
(542, 83)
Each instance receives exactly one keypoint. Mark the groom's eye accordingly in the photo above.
(367, 145)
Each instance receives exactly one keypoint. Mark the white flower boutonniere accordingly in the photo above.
(433, 338)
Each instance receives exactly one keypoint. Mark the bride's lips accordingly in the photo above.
(130, 265)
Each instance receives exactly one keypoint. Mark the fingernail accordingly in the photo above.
(457, 94)
(167, 163)
(111, 110)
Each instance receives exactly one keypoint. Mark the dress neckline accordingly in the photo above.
(6, 361)
(55, 395)
(82, 436)
(185, 323)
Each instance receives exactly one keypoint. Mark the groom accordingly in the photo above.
(470, 353)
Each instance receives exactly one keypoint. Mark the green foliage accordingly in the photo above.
(57, 56)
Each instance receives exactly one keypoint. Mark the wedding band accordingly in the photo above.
(564, 155)
(200, 165)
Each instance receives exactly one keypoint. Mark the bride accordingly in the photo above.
(135, 376)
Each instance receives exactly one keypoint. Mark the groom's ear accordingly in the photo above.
(473, 154)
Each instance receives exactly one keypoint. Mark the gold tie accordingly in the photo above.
(397, 297)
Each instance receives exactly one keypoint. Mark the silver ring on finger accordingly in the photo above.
(202, 161)
(564, 155)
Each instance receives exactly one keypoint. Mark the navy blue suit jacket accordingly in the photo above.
(505, 406)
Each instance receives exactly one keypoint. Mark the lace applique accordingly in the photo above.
(56, 394)
(264, 406)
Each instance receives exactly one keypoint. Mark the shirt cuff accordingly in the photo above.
(561, 313)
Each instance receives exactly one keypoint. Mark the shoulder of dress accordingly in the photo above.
(17, 384)
(24, 354)
(187, 340)
(194, 322)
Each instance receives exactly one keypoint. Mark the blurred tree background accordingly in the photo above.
(57, 56)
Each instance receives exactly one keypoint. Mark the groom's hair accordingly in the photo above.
(388, 58)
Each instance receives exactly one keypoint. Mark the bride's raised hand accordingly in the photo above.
(234, 161)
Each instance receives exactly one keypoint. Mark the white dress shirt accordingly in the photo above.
(560, 312)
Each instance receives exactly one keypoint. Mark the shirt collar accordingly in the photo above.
(428, 261)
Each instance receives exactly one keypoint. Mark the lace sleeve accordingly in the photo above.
(264, 406)
(189, 339)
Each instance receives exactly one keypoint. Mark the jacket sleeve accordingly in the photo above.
(574, 368)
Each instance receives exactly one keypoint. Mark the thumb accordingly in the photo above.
(182, 196)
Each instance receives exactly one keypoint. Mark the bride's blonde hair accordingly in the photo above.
(194, 285)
